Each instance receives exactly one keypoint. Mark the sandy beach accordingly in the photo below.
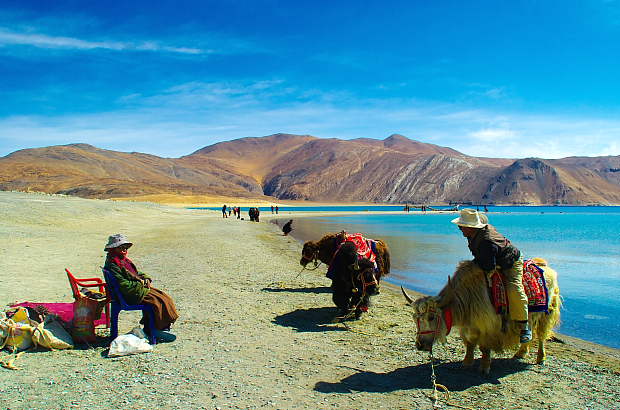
(254, 333)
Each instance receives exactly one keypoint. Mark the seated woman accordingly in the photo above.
(136, 286)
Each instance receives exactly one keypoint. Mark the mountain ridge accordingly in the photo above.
(303, 167)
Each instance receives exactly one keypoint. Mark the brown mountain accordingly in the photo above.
(86, 171)
(286, 166)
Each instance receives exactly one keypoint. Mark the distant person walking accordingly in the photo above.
(277, 208)
(224, 214)
(288, 227)
(271, 208)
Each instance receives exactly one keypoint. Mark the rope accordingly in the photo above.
(10, 326)
(435, 384)
(352, 310)
(281, 284)
(10, 333)
(444, 389)
(317, 263)
(9, 364)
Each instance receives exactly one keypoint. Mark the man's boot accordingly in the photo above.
(526, 333)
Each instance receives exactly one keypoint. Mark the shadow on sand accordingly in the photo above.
(310, 320)
(452, 375)
(318, 289)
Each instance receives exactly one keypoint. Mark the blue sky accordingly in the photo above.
(488, 78)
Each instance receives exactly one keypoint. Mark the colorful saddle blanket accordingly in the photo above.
(366, 248)
(533, 283)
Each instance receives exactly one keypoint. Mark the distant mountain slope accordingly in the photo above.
(286, 166)
(253, 157)
(86, 171)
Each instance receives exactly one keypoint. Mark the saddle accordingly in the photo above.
(533, 283)
(366, 248)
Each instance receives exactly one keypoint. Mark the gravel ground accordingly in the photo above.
(253, 332)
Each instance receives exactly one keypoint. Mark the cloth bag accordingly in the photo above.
(16, 332)
(128, 344)
(52, 335)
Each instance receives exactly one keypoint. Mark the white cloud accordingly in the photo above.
(496, 93)
(190, 116)
(491, 135)
(59, 42)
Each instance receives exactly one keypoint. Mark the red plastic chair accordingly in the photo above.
(98, 283)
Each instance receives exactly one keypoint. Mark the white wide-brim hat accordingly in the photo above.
(469, 218)
(116, 240)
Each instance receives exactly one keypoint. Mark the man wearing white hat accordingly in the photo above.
(492, 249)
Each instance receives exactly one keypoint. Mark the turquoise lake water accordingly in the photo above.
(581, 243)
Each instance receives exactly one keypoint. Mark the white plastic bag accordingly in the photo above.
(128, 344)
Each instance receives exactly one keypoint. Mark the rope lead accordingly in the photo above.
(444, 389)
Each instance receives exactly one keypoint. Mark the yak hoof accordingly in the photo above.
(524, 349)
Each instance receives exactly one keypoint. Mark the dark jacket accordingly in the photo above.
(133, 290)
(490, 249)
(287, 227)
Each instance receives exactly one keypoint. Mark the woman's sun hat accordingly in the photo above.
(470, 218)
(116, 240)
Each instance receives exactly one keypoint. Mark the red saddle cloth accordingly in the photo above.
(533, 283)
(366, 248)
(363, 245)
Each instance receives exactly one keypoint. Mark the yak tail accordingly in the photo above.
(385, 257)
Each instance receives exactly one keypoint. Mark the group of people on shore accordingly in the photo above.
(231, 210)
(407, 208)
(253, 212)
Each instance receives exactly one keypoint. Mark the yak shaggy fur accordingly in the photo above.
(467, 296)
(324, 249)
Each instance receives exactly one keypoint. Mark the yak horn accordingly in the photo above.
(409, 300)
